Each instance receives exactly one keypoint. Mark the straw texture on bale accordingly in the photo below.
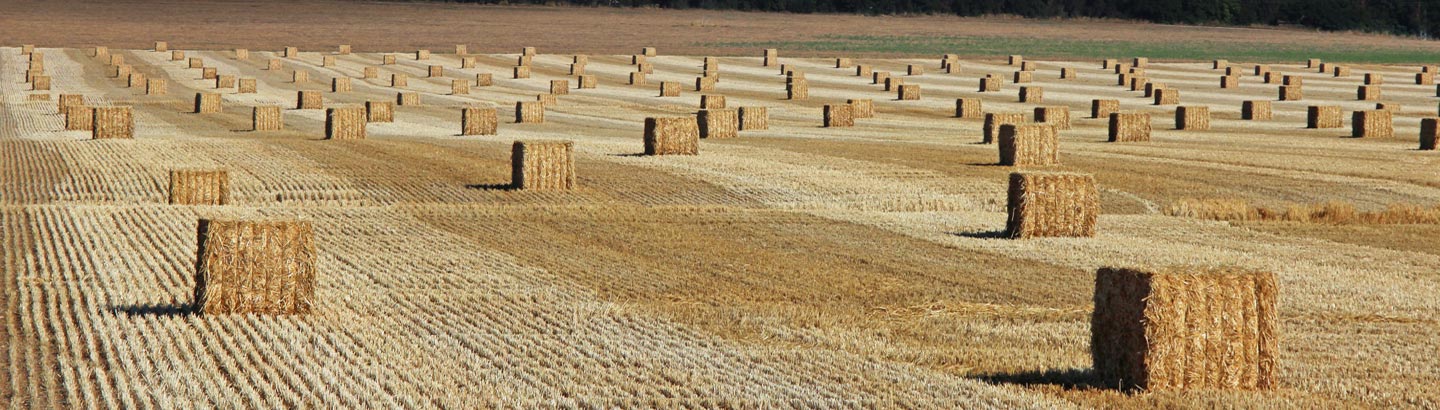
(637, 78)
(379, 111)
(1129, 126)
(1291, 93)
(1229, 82)
(559, 87)
(1273, 77)
(909, 92)
(1167, 96)
(521, 71)
(1185, 328)
(224, 81)
(892, 83)
(266, 118)
(422, 55)
(719, 123)
(1029, 145)
(79, 118)
(1256, 110)
(1057, 116)
(40, 83)
(990, 84)
(436, 71)
(542, 165)
(1033, 95)
(255, 267)
(1194, 117)
(467, 62)
(637, 59)
(754, 118)
(407, 99)
(327, 61)
(26, 49)
(586, 82)
(121, 71)
(68, 100)
(1374, 79)
(711, 101)
(31, 74)
(207, 103)
(299, 77)
(1323, 116)
(879, 77)
(208, 73)
(1140, 62)
(861, 108)
(479, 121)
(994, 120)
(388, 59)
(672, 136)
(646, 68)
(138, 80)
(113, 122)
(1067, 73)
(528, 51)
(196, 62)
(843, 63)
(1051, 204)
(242, 54)
(1312, 63)
(1342, 71)
(1028, 66)
(1425, 79)
(459, 87)
(647, 51)
(1220, 64)
(953, 68)
(969, 108)
(399, 80)
(199, 187)
(39, 57)
(530, 112)
(1372, 124)
(669, 89)
(1121, 68)
(309, 100)
(797, 89)
(705, 83)
(273, 64)
(115, 59)
(524, 61)
(548, 100)
(1429, 133)
(342, 49)
(863, 70)
(1367, 93)
(345, 123)
(1016, 59)
(1108, 63)
(914, 69)
(246, 86)
(1020, 77)
(291, 52)
(484, 80)
(839, 115)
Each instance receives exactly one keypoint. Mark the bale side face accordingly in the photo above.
(711, 101)
(637, 78)
(79, 118)
(915, 69)
(208, 73)
(863, 70)
(706, 83)
(559, 87)
(1429, 133)
(260, 267)
(309, 100)
(1029, 145)
(1129, 127)
(300, 77)
(479, 121)
(266, 118)
(1327, 116)
(719, 123)
(379, 111)
(1192, 118)
(1021, 77)
(340, 85)
(1103, 108)
(672, 136)
(407, 99)
(586, 82)
(797, 89)
(436, 71)
(909, 92)
(1032, 95)
(1291, 93)
(754, 118)
(113, 122)
(459, 87)
(1052, 204)
(1068, 73)
(246, 86)
(207, 103)
(1167, 96)
(1179, 328)
(994, 120)
(1367, 93)
(68, 100)
(969, 108)
(240, 54)
(839, 115)
(520, 72)
(1425, 79)
(1056, 116)
(669, 89)
(861, 108)
(199, 187)
(345, 123)
(989, 84)
(543, 165)
(530, 112)
(1228, 82)
(484, 80)
(1256, 110)
(197, 62)
(399, 80)
(1373, 124)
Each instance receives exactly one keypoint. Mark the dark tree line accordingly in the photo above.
(1394, 16)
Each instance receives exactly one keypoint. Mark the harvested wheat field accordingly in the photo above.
(892, 263)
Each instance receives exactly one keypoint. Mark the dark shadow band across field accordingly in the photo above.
(972, 46)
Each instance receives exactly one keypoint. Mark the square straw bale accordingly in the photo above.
(1291, 93)
(839, 115)
(484, 80)
(1032, 95)
(637, 78)
(863, 70)
(1192, 117)
(861, 107)
(559, 87)
(990, 84)
(112, 122)
(459, 87)
(247, 86)
(224, 81)
(1373, 124)
(1367, 93)
(345, 123)
(530, 112)
(309, 100)
(719, 123)
(521, 72)
(711, 101)
(1057, 116)
(79, 118)
(1167, 96)
(1021, 77)
(969, 108)
(255, 267)
(266, 118)
(798, 89)
(1429, 133)
(407, 99)
(479, 121)
(542, 165)
(1029, 145)
(1052, 204)
(1323, 116)
(1103, 108)
(994, 120)
(754, 118)
(909, 92)
(669, 89)
(379, 111)
(1256, 110)
(207, 103)
(585, 82)
(399, 80)
(672, 136)
(1129, 126)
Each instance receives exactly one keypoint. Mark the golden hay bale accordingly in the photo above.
(1372, 124)
(161, 46)
(861, 108)
(1167, 96)
(1032, 95)
(754, 118)
(521, 71)
(1261, 69)
(646, 68)
(199, 187)
(990, 84)
(863, 70)
(255, 267)
(422, 55)
(705, 83)
(909, 92)
(399, 80)
(1051, 204)
(1425, 79)
(879, 77)
(1121, 68)
(1029, 145)
(771, 57)
(719, 123)
(379, 111)
(345, 123)
(407, 99)
(37, 57)
(207, 103)
(993, 121)
(1391, 107)
(26, 49)
(1141, 83)
(559, 87)
(548, 100)
(843, 63)
(224, 81)
(327, 61)
(461, 49)
(530, 112)
(672, 136)
(1367, 93)
(711, 101)
(1057, 116)
(1429, 69)
(300, 77)
(647, 51)
(40, 83)
(1341, 71)
(208, 73)
(915, 69)
(273, 64)
(291, 52)
(79, 118)
(1109, 62)
(484, 80)
(1103, 108)
(577, 69)
(1140, 62)
(136, 80)
(1312, 63)
(798, 89)
(637, 78)
(1020, 77)
(467, 62)
(1028, 66)
(479, 121)
(969, 108)
(115, 59)
(436, 71)
(38, 97)
(1374, 79)
(241, 54)
(1273, 77)
(1291, 93)
(953, 68)
(1256, 110)
(67, 100)
(1067, 73)
(266, 118)
(113, 122)
(669, 89)
(1325, 116)
(1229, 82)
(343, 49)
(542, 165)
(1137, 71)
(247, 86)
(1220, 64)
(1325, 68)
(1016, 59)
(528, 51)
(1129, 126)
(1429, 133)
(388, 59)
(1195, 117)
(839, 115)
(524, 61)
(195, 62)
(1185, 327)
(1125, 80)
(1234, 72)
(459, 87)
(309, 100)
(893, 83)
(31, 74)
(637, 59)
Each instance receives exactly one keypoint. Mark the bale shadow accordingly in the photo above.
(505, 186)
(158, 309)
(637, 154)
(988, 164)
(996, 234)
(1068, 379)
